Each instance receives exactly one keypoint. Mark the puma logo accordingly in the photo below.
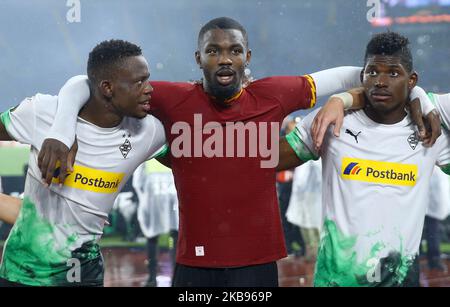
(348, 131)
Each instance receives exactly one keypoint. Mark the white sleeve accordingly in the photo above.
(425, 103)
(158, 143)
(300, 139)
(29, 122)
(443, 146)
(337, 79)
(20, 122)
(139, 180)
(442, 104)
(304, 131)
(71, 98)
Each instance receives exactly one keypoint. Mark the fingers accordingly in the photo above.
(321, 130)
(421, 129)
(45, 161)
(435, 124)
(338, 126)
(41, 158)
(416, 115)
(62, 171)
(314, 128)
(47, 175)
(72, 154)
(52, 152)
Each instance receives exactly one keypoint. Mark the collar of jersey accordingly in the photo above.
(229, 101)
(406, 121)
(102, 129)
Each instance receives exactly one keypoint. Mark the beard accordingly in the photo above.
(223, 92)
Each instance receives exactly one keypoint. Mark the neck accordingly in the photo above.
(222, 100)
(383, 117)
(100, 112)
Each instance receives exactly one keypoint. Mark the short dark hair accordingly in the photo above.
(107, 55)
(223, 23)
(393, 44)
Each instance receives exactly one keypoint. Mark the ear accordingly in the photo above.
(197, 59)
(106, 88)
(413, 79)
(248, 56)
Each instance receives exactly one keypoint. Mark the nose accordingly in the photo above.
(381, 81)
(225, 59)
(148, 89)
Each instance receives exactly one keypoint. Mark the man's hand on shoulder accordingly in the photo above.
(52, 152)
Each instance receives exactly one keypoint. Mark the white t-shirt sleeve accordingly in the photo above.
(139, 180)
(442, 104)
(29, 122)
(443, 147)
(20, 122)
(305, 149)
(337, 79)
(158, 143)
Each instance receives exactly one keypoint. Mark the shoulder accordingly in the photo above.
(165, 94)
(275, 80)
(42, 99)
(171, 87)
(41, 105)
(147, 127)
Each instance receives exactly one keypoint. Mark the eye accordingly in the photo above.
(211, 51)
(372, 73)
(394, 74)
(237, 51)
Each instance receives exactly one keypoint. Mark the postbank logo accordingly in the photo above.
(379, 172)
(90, 179)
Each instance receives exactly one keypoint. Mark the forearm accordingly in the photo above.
(288, 157)
(337, 79)
(425, 103)
(4, 135)
(9, 208)
(71, 98)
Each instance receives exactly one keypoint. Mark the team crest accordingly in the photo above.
(125, 148)
(413, 140)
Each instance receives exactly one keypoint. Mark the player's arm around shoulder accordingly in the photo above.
(296, 147)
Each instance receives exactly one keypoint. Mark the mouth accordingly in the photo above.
(145, 105)
(225, 76)
(381, 96)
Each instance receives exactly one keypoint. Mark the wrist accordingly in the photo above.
(346, 98)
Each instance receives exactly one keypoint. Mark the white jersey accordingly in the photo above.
(442, 104)
(439, 206)
(439, 196)
(305, 204)
(158, 202)
(375, 193)
(58, 224)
